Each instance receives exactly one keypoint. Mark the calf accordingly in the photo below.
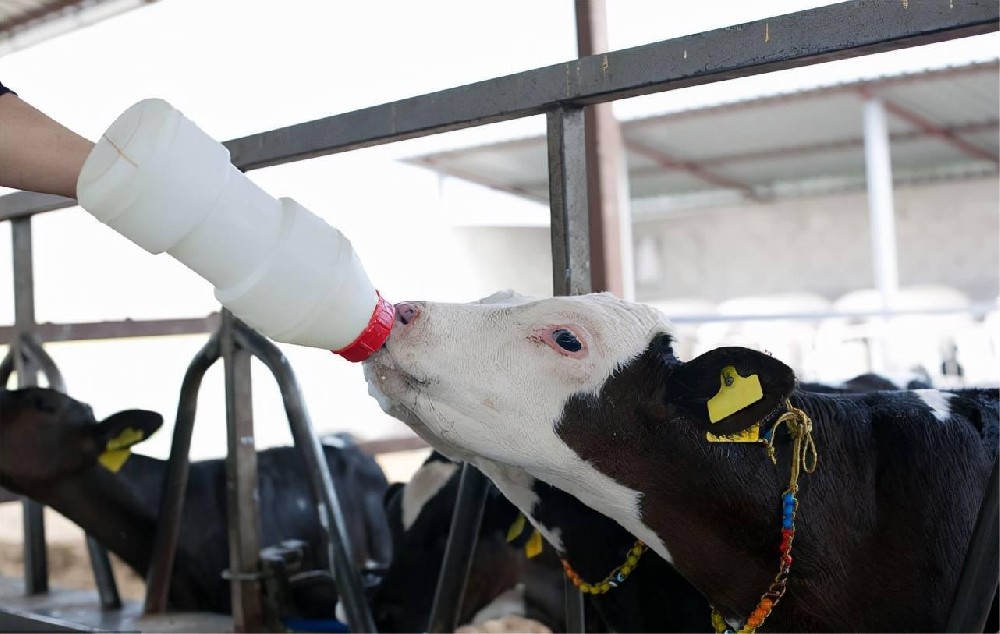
(50, 453)
(419, 514)
(585, 393)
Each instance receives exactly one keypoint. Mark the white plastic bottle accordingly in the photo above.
(160, 181)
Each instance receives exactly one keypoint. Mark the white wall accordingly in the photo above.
(947, 233)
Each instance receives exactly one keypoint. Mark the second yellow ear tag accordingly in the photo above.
(116, 452)
(735, 393)
(515, 529)
(534, 546)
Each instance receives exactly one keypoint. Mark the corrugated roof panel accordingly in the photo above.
(789, 124)
(670, 182)
(950, 101)
(814, 138)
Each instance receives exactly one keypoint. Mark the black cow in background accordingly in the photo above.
(419, 514)
(49, 451)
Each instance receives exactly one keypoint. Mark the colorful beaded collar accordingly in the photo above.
(799, 427)
(615, 578)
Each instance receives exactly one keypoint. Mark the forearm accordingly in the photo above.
(37, 153)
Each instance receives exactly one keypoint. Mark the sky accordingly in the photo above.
(237, 67)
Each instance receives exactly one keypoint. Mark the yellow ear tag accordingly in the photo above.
(735, 393)
(515, 529)
(116, 452)
(534, 546)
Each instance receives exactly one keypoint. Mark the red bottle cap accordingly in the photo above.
(374, 335)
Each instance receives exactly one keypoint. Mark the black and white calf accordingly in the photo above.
(585, 393)
(419, 514)
(49, 451)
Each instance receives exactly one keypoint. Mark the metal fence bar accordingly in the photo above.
(6, 368)
(838, 31)
(84, 331)
(465, 520)
(571, 254)
(36, 570)
(32, 348)
(570, 230)
(100, 563)
(349, 586)
(26, 204)
(174, 487)
(241, 484)
(128, 328)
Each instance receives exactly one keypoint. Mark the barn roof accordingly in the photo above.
(27, 22)
(943, 124)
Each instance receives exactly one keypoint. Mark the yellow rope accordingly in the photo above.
(804, 458)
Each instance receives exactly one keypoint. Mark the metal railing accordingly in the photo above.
(560, 91)
(26, 357)
(235, 343)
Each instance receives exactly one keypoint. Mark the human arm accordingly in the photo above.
(37, 153)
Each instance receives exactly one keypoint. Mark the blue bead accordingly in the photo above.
(787, 522)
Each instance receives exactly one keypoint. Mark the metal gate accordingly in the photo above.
(561, 92)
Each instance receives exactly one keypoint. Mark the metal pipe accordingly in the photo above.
(32, 348)
(243, 517)
(465, 520)
(331, 517)
(174, 487)
(571, 246)
(104, 575)
(576, 620)
(878, 167)
(570, 233)
(6, 367)
(979, 580)
(100, 563)
(36, 567)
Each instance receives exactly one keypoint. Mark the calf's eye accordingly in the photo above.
(566, 340)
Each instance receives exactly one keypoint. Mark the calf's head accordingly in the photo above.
(503, 381)
(468, 373)
(46, 436)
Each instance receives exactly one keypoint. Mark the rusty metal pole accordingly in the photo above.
(610, 227)
(241, 485)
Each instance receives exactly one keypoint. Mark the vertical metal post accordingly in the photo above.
(570, 245)
(241, 485)
(465, 521)
(570, 232)
(878, 167)
(607, 183)
(104, 577)
(174, 487)
(36, 571)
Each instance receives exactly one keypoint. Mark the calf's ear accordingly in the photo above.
(117, 433)
(728, 390)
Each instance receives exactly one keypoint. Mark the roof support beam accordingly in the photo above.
(929, 128)
(692, 167)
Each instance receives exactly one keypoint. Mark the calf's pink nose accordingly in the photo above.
(406, 313)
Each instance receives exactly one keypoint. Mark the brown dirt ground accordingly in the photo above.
(69, 564)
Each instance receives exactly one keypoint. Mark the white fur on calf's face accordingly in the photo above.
(493, 379)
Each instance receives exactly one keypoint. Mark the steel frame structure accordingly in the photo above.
(560, 91)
